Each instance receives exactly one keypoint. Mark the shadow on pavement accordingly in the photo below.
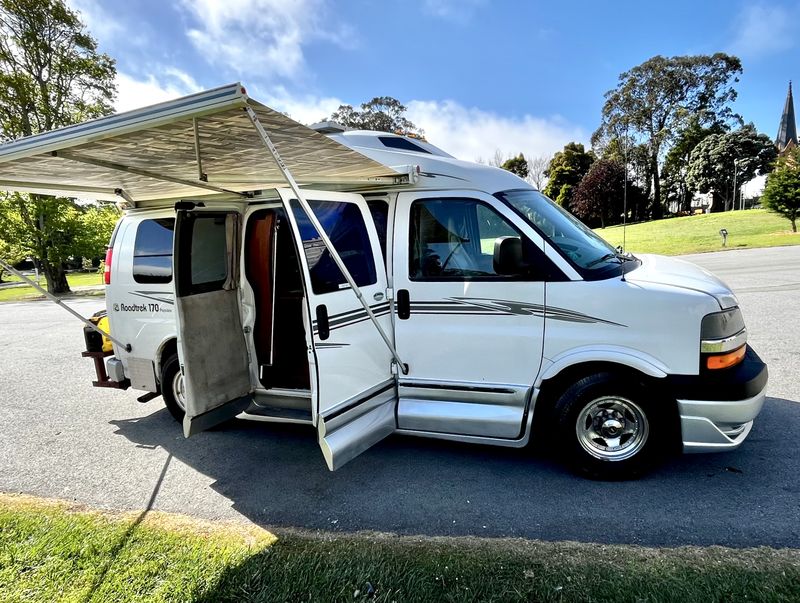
(276, 477)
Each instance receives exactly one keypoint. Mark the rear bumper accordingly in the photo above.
(717, 410)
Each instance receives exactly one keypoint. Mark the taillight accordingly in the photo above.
(107, 269)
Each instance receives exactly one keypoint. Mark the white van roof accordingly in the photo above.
(195, 146)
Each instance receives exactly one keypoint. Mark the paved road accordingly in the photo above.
(61, 437)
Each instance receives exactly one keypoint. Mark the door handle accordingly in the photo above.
(323, 324)
(403, 304)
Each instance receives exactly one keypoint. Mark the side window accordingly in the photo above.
(454, 239)
(209, 251)
(345, 227)
(203, 261)
(379, 209)
(152, 251)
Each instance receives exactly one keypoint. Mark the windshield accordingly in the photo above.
(570, 235)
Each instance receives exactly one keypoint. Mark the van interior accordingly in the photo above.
(273, 270)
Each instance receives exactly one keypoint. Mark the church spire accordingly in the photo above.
(787, 131)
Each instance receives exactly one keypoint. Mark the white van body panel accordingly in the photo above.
(658, 323)
(686, 275)
(141, 313)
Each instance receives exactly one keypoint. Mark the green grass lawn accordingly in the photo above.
(695, 234)
(51, 551)
(75, 279)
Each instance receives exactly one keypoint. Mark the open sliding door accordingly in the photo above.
(353, 388)
(211, 341)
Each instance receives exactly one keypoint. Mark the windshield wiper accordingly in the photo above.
(622, 257)
(603, 258)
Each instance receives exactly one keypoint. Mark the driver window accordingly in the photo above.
(454, 239)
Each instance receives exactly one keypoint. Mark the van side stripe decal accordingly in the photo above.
(487, 307)
(158, 299)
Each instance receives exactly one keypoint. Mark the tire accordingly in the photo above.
(610, 428)
(172, 387)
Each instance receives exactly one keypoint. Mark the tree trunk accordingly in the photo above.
(794, 225)
(56, 278)
(657, 209)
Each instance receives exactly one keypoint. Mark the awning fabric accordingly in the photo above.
(150, 153)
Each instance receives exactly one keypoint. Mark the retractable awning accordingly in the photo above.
(203, 144)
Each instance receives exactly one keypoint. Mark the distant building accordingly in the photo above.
(787, 130)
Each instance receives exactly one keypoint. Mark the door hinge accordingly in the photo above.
(389, 294)
(403, 369)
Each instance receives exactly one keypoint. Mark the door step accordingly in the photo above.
(282, 415)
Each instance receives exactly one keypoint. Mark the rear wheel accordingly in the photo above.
(609, 428)
(172, 387)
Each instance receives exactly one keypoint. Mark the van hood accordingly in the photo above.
(680, 273)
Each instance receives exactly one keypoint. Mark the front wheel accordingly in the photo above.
(608, 428)
(172, 388)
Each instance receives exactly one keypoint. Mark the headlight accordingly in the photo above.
(722, 324)
(723, 338)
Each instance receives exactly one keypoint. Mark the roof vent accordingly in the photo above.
(328, 127)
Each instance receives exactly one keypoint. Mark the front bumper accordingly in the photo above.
(717, 409)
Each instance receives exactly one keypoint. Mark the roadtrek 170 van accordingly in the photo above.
(368, 283)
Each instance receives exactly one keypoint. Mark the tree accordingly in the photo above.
(782, 191)
(600, 196)
(51, 75)
(723, 162)
(516, 165)
(382, 113)
(52, 244)
(537, 170)
(11, 253)
(655, 100)
(96, 226)
(676, 164)
(565, 171)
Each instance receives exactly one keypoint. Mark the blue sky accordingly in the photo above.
(476, 75)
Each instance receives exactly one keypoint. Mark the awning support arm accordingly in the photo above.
(323, 235)
(132, 170)
(201, 175)
(53, 298)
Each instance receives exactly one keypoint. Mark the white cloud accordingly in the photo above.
(457, 11)
(265, 37)
(105, 28)
(471, 133)
(763, 29)
(306, 109)
(134, 93)
(467, 133)
(99, 23)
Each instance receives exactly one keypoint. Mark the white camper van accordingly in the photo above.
(368, 283)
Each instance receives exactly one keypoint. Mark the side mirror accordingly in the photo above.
(508, 260)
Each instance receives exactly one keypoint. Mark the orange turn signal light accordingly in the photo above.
(721, 361)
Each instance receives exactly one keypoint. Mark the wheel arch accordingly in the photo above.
(168, 347)
(554, 383)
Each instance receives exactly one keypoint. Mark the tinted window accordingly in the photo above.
(209, 251)
(453, 239)
(152, 251)
(575, 240)
(379, 209)
(345, 227)
(396, 142)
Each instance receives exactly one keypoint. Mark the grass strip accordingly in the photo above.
(26, 292)
(695, 234)
(51, 551)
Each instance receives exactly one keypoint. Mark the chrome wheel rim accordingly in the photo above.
(612, 428)
(178, 391)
